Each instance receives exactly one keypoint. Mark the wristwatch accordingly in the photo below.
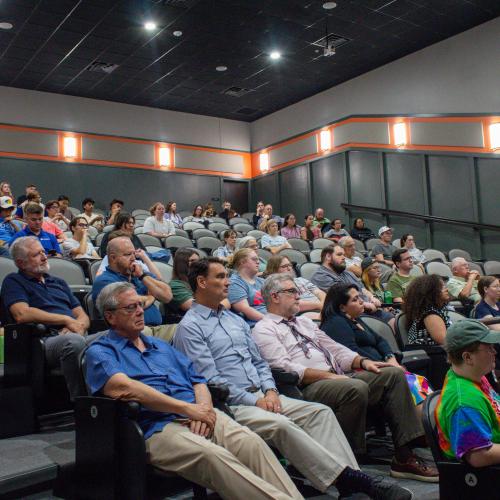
(274, 390)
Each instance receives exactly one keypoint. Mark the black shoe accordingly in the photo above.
(383, 490)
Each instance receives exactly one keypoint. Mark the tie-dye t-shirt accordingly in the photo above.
(239, 289)
(468, 415)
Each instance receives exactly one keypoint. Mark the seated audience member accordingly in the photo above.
(408, 241)
(352, 261)
(295, 343)
(467, 412)
(307, 434)
(227, 212)
(425, 308)
(5, 190)
(244, 287)
(339, 320)
(93, 219)
(33, 197)
(209, 211)
(370, 276)
(124, 222)
(123, 268)
(54, 215)
(30, 188)
(79, 246)
(399, 281)
(309, 232)
(182, 295)
(157, 225)
(489, 307)
(184, 433)
(463, 285)
(33, 296)
(115, 207)
(383, 251)
(267, 216)
(311, 297)
(48, 225)
(273, 241)
(172, 215)
(229, 245)
(64, 208)
(197, 215)
(360, 232)
(319, 220)
(9, 226)
(336, 232)
(34, 221)
(259, 212)
(290, 228)
(251, 242)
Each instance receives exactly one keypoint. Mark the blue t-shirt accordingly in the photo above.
(160, 366)
(52, 296)
(7, 231)
(48, 241)
(239, 289)
(272, 241)
(152, 315)
(483, 309)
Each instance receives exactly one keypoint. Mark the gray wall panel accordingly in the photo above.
(294, 192)
(129, 152)
(488, 172)
(447, 134)
(293, 151)
(207, 160)
(28, 142)
(417, 228)
(372, 132)
(447, 237)
(265, 189)
(491, 245)
(365, 180)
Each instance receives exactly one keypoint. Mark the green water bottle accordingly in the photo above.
(387, 297)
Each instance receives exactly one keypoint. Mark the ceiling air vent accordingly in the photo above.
(101, 67)
(236, 91)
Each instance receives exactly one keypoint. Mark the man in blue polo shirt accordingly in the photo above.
(33, 296)
(34, 220)
(122, 266)
(8, 225)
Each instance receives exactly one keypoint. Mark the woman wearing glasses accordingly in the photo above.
(79, 246)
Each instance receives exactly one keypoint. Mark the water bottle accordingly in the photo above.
(387, 297)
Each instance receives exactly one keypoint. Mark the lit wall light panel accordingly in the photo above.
(400, 138)
(325, 140)
(164, 156)
(70, 146)
(264, 162)
(495, 136)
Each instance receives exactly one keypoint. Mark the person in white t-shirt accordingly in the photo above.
(157, 225)
(80, 246)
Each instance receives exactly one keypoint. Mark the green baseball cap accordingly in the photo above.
(465, 332)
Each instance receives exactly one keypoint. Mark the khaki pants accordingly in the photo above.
(163, 332)
(307, 434)
(235, 462)
(351, 398)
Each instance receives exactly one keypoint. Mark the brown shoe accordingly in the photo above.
(414, 468)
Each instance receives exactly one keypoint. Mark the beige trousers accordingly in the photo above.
(163, 332)
(307, 434)
(235, 462)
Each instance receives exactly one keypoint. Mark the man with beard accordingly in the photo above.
(33, 296)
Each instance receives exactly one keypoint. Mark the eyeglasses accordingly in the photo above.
(286, 266)
(83, 225)
(130, 309)
(289, 291)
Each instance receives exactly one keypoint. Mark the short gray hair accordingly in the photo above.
(343, 241)
(457, 261)
(19, 248)
(273, 284)
(243, 242)
(107, 299)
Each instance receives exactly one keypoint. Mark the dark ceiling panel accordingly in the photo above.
(53, 42)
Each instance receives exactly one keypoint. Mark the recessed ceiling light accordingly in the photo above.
(221, 68)
(150, 25)
(275, 55)
(329, 5)
(177, 33)
(6, 26)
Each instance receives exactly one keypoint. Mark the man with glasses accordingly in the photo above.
(34, 221)
(400, 280)
(222, 350)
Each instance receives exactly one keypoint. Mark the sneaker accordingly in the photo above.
(416, 469)
(383, 490)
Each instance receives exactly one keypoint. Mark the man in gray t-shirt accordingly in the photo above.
(382, 252)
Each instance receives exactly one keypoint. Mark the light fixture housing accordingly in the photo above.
(70, 147)
(400, 135)
(150, 25)
(495, 136)
(325, 140)
(164, 156)
(264, 162)
(275, 55)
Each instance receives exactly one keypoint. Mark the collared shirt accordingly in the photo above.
(456, 284)
(281, 349)
(47, 240)
(224, 252)
(52, 295)
(325, 277)
(152, 315)
(160, 366)
(7, 231)
(176, 219)
(223, 351)
(321, 222)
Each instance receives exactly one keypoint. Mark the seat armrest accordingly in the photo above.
(282, 377)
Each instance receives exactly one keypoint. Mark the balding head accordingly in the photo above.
(349, 246)
(121, 255)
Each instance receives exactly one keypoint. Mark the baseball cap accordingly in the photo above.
(465, 332)
(366, 263)
(6, 202)
(383, 229)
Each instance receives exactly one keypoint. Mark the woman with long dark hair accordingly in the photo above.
(308, 231)
(181, 291)
(172, 215)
